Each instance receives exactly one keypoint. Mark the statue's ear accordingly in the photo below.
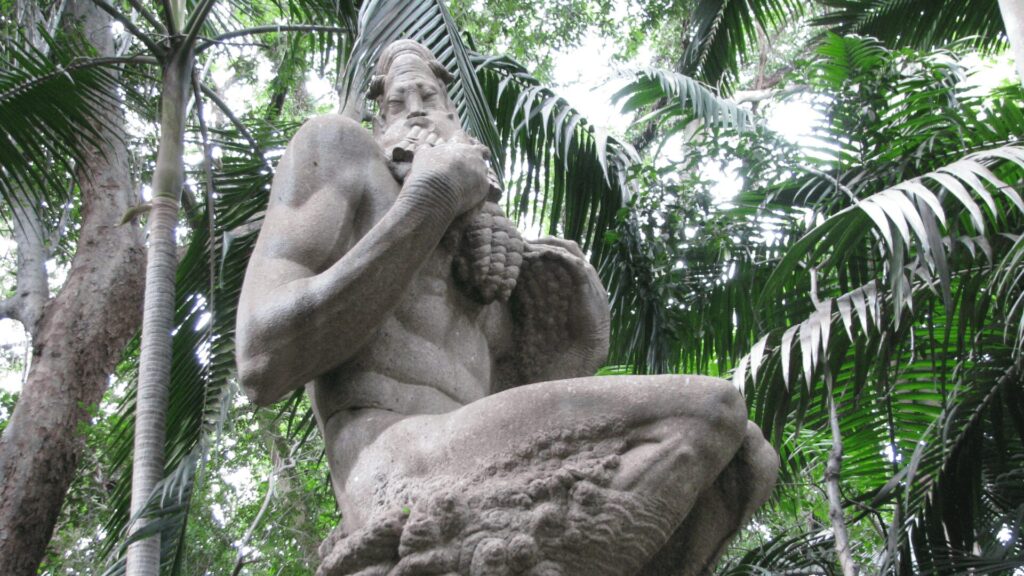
(441, 72)
(376, 89)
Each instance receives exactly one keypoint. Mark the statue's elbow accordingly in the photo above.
(256, 379)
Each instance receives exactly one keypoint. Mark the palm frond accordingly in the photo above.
(688, 99)
(166, 512)
(911, 218)
(917, 362)
(52, 104)
(725, 30)
(806, 553)
(561, 170)
(976, 23)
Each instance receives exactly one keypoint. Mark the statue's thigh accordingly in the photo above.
(660, 421)
(671, 434)
(592, 475)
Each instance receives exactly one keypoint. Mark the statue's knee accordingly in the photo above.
(708, 424)
(729, 407)
(760, 458)
(716, 402)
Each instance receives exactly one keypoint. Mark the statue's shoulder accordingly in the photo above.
(338, 133)
(328, 152)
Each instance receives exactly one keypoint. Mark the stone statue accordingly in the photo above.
(450, 364)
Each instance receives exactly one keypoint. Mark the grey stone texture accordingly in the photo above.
(450, 364)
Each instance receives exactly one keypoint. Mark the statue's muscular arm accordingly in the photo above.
(321, 277)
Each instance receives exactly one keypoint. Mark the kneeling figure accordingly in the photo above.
(450, 364)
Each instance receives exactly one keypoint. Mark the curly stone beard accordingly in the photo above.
(487, 246)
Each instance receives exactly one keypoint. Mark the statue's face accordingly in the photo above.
(414, 97)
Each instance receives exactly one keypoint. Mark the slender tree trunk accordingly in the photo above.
(158, 317)
(80, 336)
(835, 502)
(1013, 20)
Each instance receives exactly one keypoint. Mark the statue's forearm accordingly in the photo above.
(311, 325)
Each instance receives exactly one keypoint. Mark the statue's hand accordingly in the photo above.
(452, 173)
(562, 312)
(589, 313)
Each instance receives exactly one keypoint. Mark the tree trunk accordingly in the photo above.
(1013, 20)
(158, 317)
(80, 339)
(835, 501)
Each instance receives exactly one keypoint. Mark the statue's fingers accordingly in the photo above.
(572, 247)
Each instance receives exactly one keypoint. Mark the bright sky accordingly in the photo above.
(587, 79)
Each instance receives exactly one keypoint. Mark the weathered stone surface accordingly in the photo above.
(450, 366)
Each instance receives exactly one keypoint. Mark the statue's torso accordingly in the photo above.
(435, 352)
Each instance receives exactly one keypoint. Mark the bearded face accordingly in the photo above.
(414, 108)
(415, 112)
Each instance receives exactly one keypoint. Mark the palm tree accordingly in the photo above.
(173, 43)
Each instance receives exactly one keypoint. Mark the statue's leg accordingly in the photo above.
(586, 476)
(679, 431)
(720, 511)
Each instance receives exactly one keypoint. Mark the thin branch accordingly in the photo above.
(172, 26)
(196, 20)
(755, 96)
(9, 308)
(130, 26)
(226, 110)
(271, 485)
(268, 30)
(31, 283)
(149, 16)
(832, 475)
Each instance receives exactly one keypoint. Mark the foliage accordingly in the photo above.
(272, 523)
(560, 167)
(49, 102)
(682, 263)
(541, 29)
(976, 23)
(723, 31)
(892, 299)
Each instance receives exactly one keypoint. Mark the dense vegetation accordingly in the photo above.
(862, 287)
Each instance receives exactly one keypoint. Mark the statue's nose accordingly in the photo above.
(415, 106)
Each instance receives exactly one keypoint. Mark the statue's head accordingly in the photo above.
(410, 87)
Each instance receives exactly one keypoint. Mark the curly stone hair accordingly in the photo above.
(393, 51)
